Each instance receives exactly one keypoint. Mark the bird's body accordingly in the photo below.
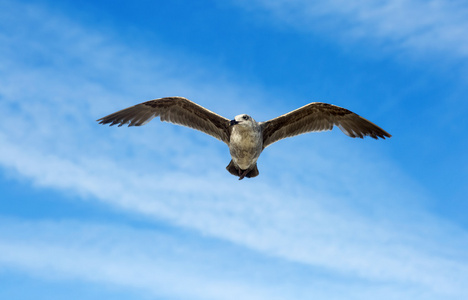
(245, 137)
(245, 143)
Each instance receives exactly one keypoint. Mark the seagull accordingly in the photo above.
(245, 137)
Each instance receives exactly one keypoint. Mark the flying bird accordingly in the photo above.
(245, 137)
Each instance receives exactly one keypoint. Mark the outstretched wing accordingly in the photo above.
(318, 116)
(175, 110)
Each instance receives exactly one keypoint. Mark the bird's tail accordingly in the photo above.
(236, 171)
(253, 173)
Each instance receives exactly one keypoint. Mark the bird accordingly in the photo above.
(245, 137)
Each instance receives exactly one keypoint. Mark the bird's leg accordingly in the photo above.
(242, 175)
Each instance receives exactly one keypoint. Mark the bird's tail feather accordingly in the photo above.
(234, 170)
(253, 173)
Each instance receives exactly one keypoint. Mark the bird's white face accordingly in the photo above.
(243, 120)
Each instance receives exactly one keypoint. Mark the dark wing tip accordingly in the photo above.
(381, 134)
(104, 121)
(112, 121)
(378, 134)
(385, 135)
(375, 135)
(136, 115)
(356, 126)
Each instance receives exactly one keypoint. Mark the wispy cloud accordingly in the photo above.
(171, 265)
(306, 229)
(421, 26)
(56, 143)
(147, 261)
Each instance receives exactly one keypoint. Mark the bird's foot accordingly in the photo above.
(242, 175)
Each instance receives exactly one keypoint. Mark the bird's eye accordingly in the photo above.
(245, 117)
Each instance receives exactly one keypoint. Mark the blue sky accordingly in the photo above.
(88, 211)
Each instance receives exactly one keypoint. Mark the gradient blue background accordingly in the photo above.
(92, 212)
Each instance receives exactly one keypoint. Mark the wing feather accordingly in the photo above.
(319, 116)
(175, 110)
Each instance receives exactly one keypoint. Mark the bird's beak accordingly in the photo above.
(233, 122)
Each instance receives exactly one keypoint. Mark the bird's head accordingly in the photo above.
(243, 120)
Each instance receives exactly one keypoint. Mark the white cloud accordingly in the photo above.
(142, 260)
(415, 25)
(310, 229)
(171, 265)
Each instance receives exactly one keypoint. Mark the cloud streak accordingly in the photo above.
(299, 229)
(143, 260)
(168, 265)
(427, 27)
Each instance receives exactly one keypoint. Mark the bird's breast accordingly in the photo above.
(245, 146)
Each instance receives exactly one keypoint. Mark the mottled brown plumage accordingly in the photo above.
(175, 110)
(245, 137)
(317, 116)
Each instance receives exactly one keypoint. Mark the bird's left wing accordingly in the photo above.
(177, 110)
(319, 116)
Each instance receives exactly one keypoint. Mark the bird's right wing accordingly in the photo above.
(319, 116)
(175, 110)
